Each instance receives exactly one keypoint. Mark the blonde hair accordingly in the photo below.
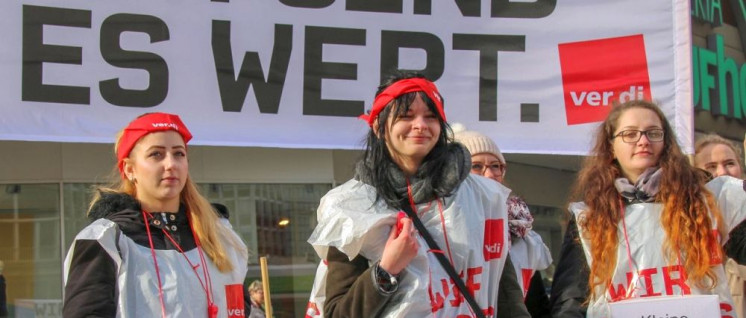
(256, 286)
(201, 213)
(715, 139)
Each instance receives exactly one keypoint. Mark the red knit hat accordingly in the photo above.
(143, 125)
(401, 87)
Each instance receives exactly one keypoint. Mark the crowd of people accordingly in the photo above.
(427, 226)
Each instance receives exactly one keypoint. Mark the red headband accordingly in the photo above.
(144, 125)
(402, 87)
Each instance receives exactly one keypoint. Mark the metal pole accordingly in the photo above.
(265, 286)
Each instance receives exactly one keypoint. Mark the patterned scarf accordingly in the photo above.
(644, 190)
(520, 220)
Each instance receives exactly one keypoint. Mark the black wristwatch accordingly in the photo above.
(386, 282)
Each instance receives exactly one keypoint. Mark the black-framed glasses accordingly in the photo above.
(480, 168)
(631, 136)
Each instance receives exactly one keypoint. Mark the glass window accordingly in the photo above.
(76, 196)
(275, 220)
(30, 248)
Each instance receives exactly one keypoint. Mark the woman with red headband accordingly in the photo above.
(381, 263)
(156, 247)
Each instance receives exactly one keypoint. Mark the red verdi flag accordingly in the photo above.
(598, 73)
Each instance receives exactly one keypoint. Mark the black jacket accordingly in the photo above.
(91, 288)
(537, 300)
(735, 248)
(570, 283)
(3, 298)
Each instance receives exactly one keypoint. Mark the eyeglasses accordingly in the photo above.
(480, 168)
(632, 136)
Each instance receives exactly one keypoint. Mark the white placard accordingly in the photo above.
(690, 306)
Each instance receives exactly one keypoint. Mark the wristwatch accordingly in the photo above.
(386, 282)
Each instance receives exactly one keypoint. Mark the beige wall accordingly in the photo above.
(32, 162)
(48, 162)
(540, 185)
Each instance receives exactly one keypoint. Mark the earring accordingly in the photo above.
(132, 179)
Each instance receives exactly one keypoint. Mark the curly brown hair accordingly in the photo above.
(686, 203)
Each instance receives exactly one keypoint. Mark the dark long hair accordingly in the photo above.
(686, 203)
(376, 160)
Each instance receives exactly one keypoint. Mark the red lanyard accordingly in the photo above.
(442, 221)
(212, 309)
(445, 236)
(629, 254)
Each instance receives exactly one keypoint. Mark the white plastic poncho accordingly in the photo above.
(656, 276)
(529, 254)
(475, 220)
(183, 294)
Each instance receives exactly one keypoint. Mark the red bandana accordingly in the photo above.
(144, 125)
(399, 88)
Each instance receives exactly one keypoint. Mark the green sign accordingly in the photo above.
(719, 83)
(710, 11)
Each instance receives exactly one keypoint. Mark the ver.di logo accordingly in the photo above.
(494, 238)
(234, 300)
(167, 125)
(597, 73)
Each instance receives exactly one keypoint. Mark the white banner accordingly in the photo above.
(537, 76)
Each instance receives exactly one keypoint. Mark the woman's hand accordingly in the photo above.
(401, 249)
